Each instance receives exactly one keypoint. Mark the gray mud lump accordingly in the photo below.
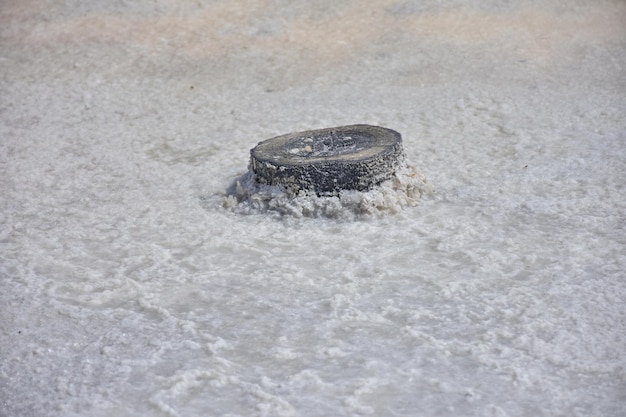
(326, 161)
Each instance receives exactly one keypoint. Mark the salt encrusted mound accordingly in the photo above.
(247, 196)
(327, 161)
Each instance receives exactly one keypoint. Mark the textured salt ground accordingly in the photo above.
(127, 288)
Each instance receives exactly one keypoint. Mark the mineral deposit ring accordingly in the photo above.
(326, 161)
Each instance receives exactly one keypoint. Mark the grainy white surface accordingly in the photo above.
(127, 289)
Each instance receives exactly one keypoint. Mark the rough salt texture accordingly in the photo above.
(128, 289)
(248, 196)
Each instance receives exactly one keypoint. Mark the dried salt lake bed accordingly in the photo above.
(131, 284)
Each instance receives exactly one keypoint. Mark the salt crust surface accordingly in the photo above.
(127, 288)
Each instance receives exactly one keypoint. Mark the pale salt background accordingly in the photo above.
(128, 289)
